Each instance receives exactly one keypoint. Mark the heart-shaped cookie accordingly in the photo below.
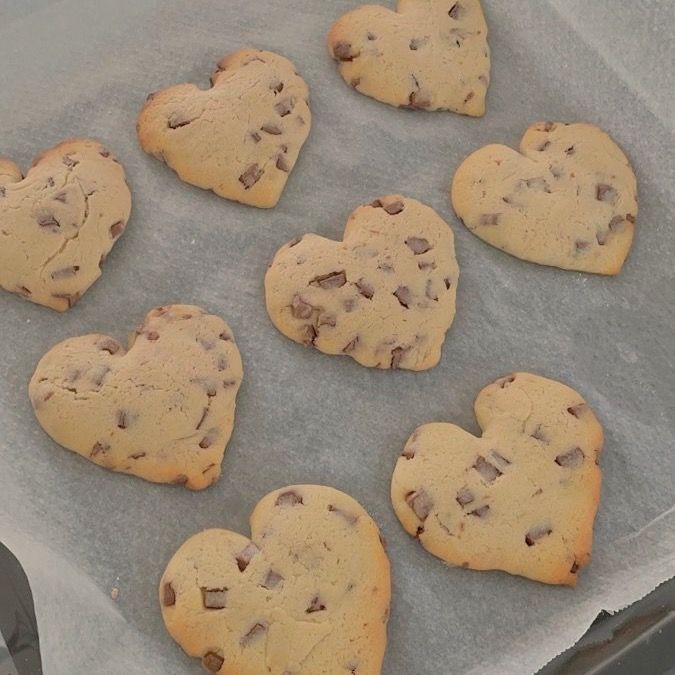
(428, 55)
(308, 593)
(240, 138)
(522, 497)
(163, 410)
(568, 199)
(385, 295)
(59, 223)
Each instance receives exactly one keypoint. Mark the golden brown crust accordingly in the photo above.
(567, 199)
(59, 223)
(426, 55)
(521, 498)
(384, 295)
(308, 593)
(241, 138)
(162, 410)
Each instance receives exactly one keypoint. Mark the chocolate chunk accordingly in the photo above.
(543, 146)
(394, 208)
(152, 335)
(397, 356)
(137, 455)
(69, 161)
(355, 82)
(420, 502)
(500, 458)
(577, 410)
(376, 204)
(537, 533)
(630, 218)
(284, 107)
(116, 229)
(469, 96)
(570, 459)
(327, 320)
(365, 289)
(214, 598)
(569, 151)
(404, 296)
(309, 335)
(456, 11)
(251, 176)
(580, 245)
(539, 434)
(49, 222)
(417, 101)
(282, 164)
(429, 291)
(349, 517)
(351, 345)
(489, 219)
(65, 273)
(416, 43)
(212, 662)
(289, 498)
(98, 448)
(371, 36)
(343, 51)
(601, 238)
(315, 606)
(207, 441)
(245, 557)
(330, 280)
(272, 580)
(615, 223)
(168, 595)
(123, 419)
(272, 129)
(480, 512)
(489, 472)
(464, 496)
(258, 630)
(575, 568)
(104, 153)
(448, 283)
(300, 309)
(225, 336)
(277, 86)
(418, 245)
(256, 137)
(605, 193)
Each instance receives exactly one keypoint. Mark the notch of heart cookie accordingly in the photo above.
(568, 199)
(520, 498)
(426, 55)
(58, 224)
(308, 593)
(162, 410)
(241, 138)
(384, 295)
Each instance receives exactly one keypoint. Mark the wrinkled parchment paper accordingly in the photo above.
(73, 68)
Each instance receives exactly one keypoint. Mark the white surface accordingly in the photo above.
(74, 68)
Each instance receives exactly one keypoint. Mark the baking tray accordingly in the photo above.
(640, 640)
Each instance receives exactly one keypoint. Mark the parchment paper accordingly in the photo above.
(73, 68)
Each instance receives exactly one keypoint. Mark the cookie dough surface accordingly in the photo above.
(427, 55)
(307, 594)
(522, 497)
(568, 199)
(59, 223)
(241, 138)
(384, 295)
(162, 410)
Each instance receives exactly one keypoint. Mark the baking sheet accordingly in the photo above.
(74, 68)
